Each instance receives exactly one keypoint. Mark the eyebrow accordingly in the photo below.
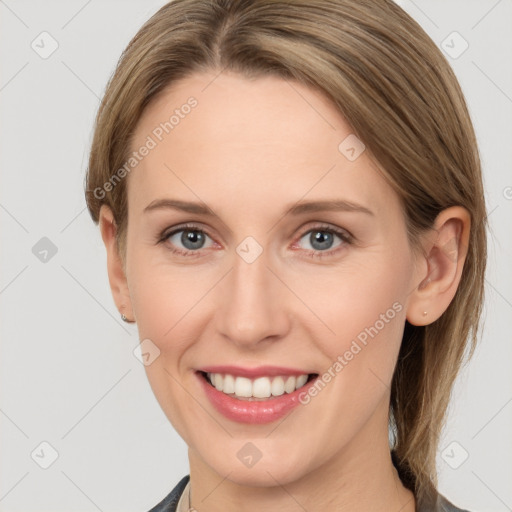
(335, 205)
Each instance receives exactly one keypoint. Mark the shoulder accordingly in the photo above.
(170, 502)
(447, 506)
(436, 502)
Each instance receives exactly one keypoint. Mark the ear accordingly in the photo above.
(445, 250)
(115, 267)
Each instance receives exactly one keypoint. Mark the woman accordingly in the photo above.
(291, 201)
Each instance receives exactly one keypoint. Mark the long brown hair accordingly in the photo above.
(400, 96)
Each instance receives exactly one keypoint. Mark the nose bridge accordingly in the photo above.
(253, 307)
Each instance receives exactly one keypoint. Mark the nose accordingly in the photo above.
(252, 304)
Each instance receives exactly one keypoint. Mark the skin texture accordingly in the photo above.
(250, 150)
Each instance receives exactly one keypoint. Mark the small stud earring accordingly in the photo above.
(124, 318)
(424, 313)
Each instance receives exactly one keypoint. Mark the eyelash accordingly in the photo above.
(346, 239)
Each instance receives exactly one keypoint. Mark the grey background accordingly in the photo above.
(68, 374)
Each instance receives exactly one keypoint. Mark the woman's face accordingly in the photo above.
(260, 286)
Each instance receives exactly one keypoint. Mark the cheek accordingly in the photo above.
(374, 310)
(364, 308)
(360, 302)
(167, 301)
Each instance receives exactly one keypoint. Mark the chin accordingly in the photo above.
(264, 477)
(263, 473)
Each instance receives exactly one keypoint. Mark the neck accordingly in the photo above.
(360, 477)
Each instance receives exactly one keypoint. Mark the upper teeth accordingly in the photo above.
(262, 387)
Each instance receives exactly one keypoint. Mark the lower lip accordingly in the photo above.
(256, 412)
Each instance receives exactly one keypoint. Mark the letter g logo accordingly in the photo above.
(304, 398)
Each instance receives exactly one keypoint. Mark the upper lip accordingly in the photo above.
(252, 373)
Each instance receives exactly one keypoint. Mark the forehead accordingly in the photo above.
(263, 139)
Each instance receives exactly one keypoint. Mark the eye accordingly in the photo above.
(187, 239)
(323, 240)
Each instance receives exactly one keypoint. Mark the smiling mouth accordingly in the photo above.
(258, 389)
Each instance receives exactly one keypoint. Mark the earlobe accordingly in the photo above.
(115, 268)
(445, 252)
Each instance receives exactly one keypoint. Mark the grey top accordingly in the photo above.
(170, 502)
